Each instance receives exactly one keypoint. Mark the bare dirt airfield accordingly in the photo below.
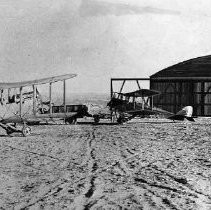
(149, 164)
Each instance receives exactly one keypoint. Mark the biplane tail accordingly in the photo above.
(185, 113)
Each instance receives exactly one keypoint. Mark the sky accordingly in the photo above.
(99, 39)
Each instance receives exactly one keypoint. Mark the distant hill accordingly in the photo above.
(79, 98)
(88, 98)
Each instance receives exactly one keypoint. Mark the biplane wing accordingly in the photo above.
(141, 93)
(19, 99)
(36, 82)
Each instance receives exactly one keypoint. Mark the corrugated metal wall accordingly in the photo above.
(177, 94)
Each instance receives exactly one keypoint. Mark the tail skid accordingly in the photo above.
(185, 113)
(190, 119)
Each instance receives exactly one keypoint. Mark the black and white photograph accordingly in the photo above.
(105, 105)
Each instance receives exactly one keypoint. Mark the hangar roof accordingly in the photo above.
(196, 67)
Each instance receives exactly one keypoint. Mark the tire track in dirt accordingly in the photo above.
(115, 167)
(93, 165)
(119, 147)
(96, 169)
(122, 163)
(84, 200)
(88, 165)
(124, 153)
(68, 179)
(184, 187)
(35, 153)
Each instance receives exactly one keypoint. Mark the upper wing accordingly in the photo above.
(142, 93)
(37, 82)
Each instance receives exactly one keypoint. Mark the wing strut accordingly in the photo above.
(2, 100)
(64, 95)
(34, 99)
(152, 102)
(50, 97)
(8, 94)
(21, 101)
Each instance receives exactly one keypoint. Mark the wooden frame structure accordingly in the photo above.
(123, 80)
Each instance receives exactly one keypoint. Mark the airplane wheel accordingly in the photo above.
(9, 132)
(68, 120)
(26, 131)
(120, 120)
(96, 119)
(71, 120)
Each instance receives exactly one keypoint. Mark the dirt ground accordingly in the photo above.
(149, 164)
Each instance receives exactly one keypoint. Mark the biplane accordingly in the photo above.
(30, 106)
(126, 106)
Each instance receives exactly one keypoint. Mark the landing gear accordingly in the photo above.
(120, 120)
(26, 131)
(96, 118)
(71, 120)
(9, 131)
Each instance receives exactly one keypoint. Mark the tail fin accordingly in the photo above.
(185, 113)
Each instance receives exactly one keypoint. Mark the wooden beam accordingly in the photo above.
(171, 79)
(111, 95)
(175, 98)
(111, 86)
(202, 98)
(191, 95)
(151, 98)
(129, 78)
(123, 83)
(180, 95)
(138, 84)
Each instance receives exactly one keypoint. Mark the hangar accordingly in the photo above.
(186, 83)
